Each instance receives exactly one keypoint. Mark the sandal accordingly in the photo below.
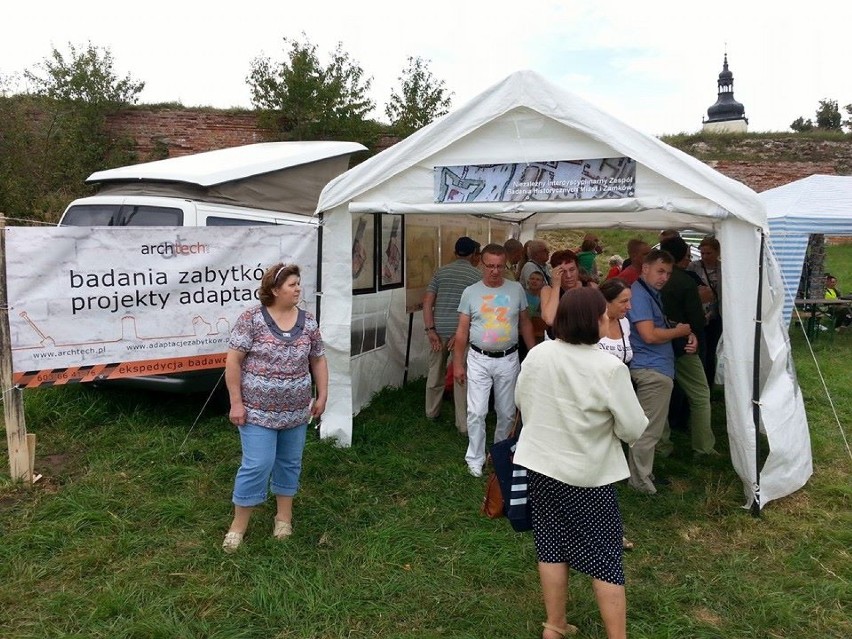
(562, 632)
(232, 542)
(282, 529)
(626, 544)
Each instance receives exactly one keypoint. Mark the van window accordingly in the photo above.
(230, 221)
(151, 216)
(122, 215)
(91, 215)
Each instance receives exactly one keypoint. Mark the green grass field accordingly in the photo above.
(121, 537)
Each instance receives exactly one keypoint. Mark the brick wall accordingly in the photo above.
(763, 175)
(173, 132)
(763, 163)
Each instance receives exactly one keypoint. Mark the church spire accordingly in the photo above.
(726, 115)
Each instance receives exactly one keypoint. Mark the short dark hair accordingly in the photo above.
(676, 246)
(563, 256)
(513, 245)
(634, 245)
(612, 288)
(712, 242)
(578, 315)
(658, 255)
(274, 277)
(493, 249)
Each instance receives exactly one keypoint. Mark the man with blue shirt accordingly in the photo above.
(653, 365)
(492, 313)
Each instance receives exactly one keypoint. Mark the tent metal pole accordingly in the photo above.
(408, 348)
(755, 397)
(318, 296)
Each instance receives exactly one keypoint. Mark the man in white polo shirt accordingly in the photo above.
(492, 313)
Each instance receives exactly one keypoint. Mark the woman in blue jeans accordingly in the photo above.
(273, 352)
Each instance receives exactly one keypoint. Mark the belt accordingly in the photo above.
(508, 351)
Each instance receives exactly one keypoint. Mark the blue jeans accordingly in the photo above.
(268, 453)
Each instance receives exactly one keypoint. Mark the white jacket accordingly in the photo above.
(577, 405)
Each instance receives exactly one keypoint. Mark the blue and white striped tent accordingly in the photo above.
(815, 204)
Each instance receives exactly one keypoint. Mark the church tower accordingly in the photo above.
(726, 115)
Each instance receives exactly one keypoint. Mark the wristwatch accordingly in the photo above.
(430, 328)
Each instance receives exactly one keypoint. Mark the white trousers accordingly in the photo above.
(483, 373)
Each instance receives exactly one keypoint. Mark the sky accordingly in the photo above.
(653, 64)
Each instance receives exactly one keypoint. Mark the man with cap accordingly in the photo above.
(492, 317)
(440, 319)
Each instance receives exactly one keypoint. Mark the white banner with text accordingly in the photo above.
(602, 178)
(98, 303)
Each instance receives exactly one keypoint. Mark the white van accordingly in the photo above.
(146, 210)
(267, 183)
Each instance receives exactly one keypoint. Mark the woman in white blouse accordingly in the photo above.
(578, 405)
(617, 294)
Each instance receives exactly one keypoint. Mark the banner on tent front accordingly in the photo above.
(97, 303)
(606, 178)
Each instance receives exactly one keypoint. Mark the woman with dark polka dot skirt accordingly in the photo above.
(578, 405)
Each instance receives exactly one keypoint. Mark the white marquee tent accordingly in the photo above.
(526, 120)
(815, 204)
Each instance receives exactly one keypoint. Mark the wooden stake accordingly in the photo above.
(31, 446)
(20, 466)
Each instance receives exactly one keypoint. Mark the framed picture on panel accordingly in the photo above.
(391, 251)
(363, 253)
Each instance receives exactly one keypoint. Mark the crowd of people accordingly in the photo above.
(589, 361)
(599, 373)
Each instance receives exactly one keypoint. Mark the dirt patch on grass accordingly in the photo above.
(48, 470)
(707, 616)
(52, 465)
(798, 502)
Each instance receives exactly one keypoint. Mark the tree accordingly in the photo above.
(87, 76)
(302, 98)
(422, 98)
(54, 136)
(848, 123)
(800, 125)
(828, 116)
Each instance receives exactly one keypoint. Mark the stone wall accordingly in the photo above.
(759, 161)
(763, 175)
(762, 162)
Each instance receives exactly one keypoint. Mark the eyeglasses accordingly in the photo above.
(492, 267)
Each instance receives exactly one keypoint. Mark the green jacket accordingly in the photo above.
(681, 302)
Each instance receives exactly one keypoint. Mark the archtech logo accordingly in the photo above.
(178, 248)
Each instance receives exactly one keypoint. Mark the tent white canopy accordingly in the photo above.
(524, 119)
(815, 204)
